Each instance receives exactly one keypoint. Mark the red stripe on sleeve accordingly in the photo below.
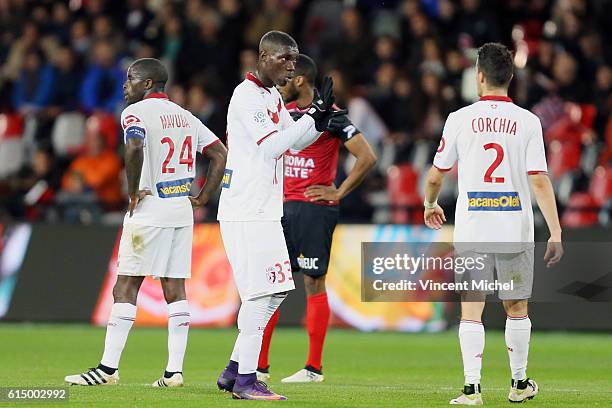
(537, 172)
(266, 136)
(441, 169)
(209, 145)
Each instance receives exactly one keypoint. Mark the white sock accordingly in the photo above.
(252, 320)
(120, 322)
(178, 329)
(518, 333)
(472, 341)
(235, 355)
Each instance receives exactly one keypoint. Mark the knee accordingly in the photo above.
(174, 295)
(516, 308)
(123, 292)
(314, 284)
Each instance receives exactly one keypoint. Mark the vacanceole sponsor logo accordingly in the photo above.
(493, 201)
(175, 188)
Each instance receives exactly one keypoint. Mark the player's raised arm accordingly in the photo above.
(217, 154)
(302, 132)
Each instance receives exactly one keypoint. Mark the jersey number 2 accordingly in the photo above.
(186, 156)
(499, 156)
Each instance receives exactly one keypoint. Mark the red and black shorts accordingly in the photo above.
(308, 232)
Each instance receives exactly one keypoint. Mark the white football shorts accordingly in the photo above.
(258, 255)
(153, 251)
(512, 269)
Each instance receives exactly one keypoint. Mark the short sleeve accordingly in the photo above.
(536, 155)
(132, 124)
(258, 121)
(206, 138)
(446, 155)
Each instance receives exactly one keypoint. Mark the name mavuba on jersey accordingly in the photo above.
(493, 201)
(174, 188)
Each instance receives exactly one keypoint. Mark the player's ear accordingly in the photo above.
(299, 80)
(263, 55)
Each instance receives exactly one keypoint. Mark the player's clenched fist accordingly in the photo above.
(322, 103)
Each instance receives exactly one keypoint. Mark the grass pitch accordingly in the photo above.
(361, 369)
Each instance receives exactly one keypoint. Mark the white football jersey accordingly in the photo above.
(172, 136)
(496, 144)
(252, 187)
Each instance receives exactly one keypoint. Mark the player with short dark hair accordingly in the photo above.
(259, 131)
(161, 141)
(311, 212)
(500, 153)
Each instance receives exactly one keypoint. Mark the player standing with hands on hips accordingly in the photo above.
(161, 141)
(500, 151)
(259, 131)
(311, 212)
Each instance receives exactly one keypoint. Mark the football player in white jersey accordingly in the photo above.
(500, 153)
(259, 131)
(161, 141)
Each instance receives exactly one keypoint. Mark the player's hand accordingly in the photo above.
(341, 126)
(434, 217)
(554, 252)
(322, 104)
(199, 201)
(135, 199)
(322, 193)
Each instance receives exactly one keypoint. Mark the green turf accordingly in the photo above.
(362, 370)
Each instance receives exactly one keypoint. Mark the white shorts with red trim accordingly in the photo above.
(153, 251)
(258, 255)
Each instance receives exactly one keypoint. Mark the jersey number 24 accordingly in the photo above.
(185, 157)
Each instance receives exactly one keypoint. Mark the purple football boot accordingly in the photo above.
(247, 387)
(226, 380)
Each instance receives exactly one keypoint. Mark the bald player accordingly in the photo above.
(161, 141)
(259, 131)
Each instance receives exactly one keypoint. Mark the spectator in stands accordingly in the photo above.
(68, 78)
(97, 169)
(31, 190)
(80, 41)
(33, 90)
(205, 108)
(102, 88)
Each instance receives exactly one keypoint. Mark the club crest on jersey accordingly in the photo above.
(271, 274)
(174, 188)
(227, 178)
(130, 120)
(493, 201)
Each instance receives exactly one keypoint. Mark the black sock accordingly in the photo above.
(170, 374)
(314, 370)
(265, 370)
(469, 389)
(105, 369)
(521, 384)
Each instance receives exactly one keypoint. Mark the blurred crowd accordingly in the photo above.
(399, 66)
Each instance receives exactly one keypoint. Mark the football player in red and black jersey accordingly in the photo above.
(311, 212)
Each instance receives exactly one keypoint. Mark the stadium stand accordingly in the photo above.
(400, 66)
